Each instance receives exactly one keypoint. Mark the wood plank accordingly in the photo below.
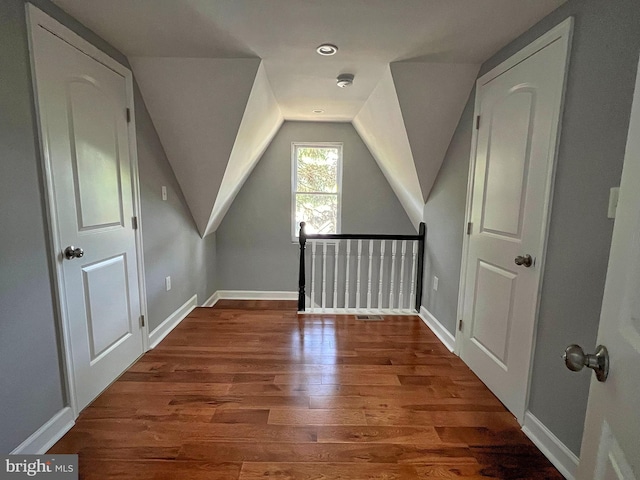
(341, 471)
(413, 402)
(242, 416)
(327, 452)
(98, 469)
(406, 417)
(300, 416)
(384, 434)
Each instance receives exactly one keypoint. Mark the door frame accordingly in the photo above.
(36, 18)
(563, 32)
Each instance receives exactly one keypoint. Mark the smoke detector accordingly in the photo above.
(345, 80)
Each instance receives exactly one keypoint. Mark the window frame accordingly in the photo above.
(295, 228)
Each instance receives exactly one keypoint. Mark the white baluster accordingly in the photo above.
(412, 300)
(335, 275)
(369, 274)
(401, 292)
(346, 279)
(313, 275)
(324, 275)
(382, 244)
(358, 275)
(393, 272)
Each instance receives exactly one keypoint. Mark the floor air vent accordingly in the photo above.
(369, 318)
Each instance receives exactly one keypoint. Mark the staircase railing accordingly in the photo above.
(386, 271)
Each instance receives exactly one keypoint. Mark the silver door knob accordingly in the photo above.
(525, 260)
(72, 252)
(575, 359)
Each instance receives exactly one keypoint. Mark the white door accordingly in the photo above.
(519, 109)
(611, 442)
(82, 106)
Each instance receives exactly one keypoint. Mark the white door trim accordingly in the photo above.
(562, 32)
(36, 18)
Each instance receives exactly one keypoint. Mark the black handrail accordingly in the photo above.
(303, 237)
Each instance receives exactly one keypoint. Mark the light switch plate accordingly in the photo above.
(435, 283)
(167, 281)
(164, 192)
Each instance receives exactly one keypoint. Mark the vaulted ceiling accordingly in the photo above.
(220, 76)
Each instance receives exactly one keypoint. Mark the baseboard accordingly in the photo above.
(438, 329)
(47, 435)
(172, 322)
(556, 451)
(212, 300)
(254, 295)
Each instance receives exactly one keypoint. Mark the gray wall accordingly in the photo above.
(600, 86)
(172, 245)
(255, 249)
(444, 218)
(31, 386)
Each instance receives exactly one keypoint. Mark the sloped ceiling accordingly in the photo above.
(219, 77)
(260, 123)
(432, 97)
(197, 106)
(380, 125)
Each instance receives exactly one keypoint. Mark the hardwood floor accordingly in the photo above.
(251, 390)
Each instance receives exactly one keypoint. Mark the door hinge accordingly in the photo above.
(478, 122)
(142, 320)
(134, 223)
(128, 115)
(460, 324)
(469, 228)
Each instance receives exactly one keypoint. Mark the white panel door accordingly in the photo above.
(511, 184)
(611, 442)
(82, 107)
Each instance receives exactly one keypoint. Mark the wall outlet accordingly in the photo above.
(167, 282)
(164, 193)
(435, 283)
(614, 193)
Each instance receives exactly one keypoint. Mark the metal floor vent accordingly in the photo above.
(369, 318)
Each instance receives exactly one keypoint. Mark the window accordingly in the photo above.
(317, 176)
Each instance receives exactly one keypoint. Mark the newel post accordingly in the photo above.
(422, 233)
(301, 271)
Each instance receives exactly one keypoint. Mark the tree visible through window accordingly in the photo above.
(317, 171)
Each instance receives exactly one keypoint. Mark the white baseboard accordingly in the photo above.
(438, 329)
(172, 322)
(557, 452)
(47, 435)
(212, 300)
(254, 295)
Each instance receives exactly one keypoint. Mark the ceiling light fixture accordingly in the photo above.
(318, 111)
(327, 49)
(345, 80)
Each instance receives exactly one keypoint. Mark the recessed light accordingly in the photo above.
(318, 111)
(327, 49)
(345, 80)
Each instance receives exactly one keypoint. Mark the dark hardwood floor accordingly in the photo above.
(251, 390)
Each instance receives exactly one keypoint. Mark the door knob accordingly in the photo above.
(72, 252)
(575, 359)
(525, 260)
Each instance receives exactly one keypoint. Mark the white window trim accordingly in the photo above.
(294, 181)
